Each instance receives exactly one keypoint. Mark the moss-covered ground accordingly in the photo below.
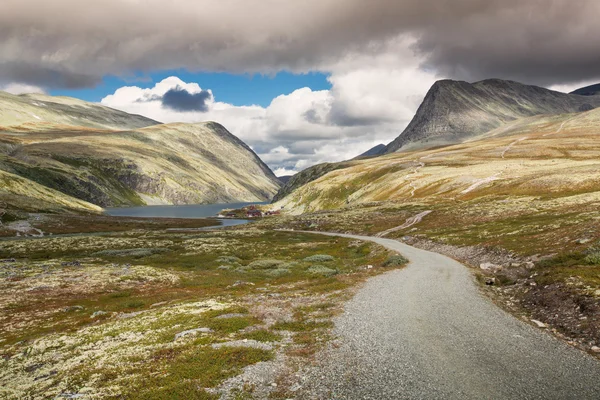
(160, 314)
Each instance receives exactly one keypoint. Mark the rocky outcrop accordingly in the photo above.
(453, 111)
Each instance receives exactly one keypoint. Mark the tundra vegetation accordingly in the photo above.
(168, 314)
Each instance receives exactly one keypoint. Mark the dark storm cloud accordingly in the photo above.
(538, 41)
(179, 99)
(44, 76)
(340, 116)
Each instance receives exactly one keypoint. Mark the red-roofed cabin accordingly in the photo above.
(254, 213)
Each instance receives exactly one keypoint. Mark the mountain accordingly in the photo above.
(373, 151)
(35, 108)
(591, 90)
(143, 162)
(454, 111)
(306, 176)
(549, 157)
(284, 179)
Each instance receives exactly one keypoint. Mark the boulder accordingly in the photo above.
(490, 267)
(539, 324)
(192, 332)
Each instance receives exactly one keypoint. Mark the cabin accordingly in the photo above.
(230, 215)
(254, 213)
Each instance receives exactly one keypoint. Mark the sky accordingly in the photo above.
(300, 82)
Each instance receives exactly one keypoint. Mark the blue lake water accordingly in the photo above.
(184, 211)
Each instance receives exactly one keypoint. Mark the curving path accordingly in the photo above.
(426, 332)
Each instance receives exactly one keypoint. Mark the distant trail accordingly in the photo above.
(560, 128)
(426, 332)
(415, 171)
(480, 182)
(512, 144)
(409, 222)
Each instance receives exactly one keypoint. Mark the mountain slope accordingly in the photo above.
(306, 176)
(591, 90)
(111, 158)
(160, 164)
(20, 193)
(35, 108)
(549, 156)
(373, 151)
(453, 111)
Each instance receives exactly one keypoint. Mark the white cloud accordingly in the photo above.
(284, 172)
(568, 88)
(21, 88)
(372, 99)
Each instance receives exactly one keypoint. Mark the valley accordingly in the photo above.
(198, 311)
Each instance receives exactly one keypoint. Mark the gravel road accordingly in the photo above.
(426, 332)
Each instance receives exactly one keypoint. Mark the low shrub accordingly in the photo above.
(395, 261)
(593, 258)
(276, 273)
(134, 253)
(319, 258)
(228, 260)
(265, 264)
(321, 270)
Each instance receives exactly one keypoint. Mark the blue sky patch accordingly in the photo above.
(239, 90)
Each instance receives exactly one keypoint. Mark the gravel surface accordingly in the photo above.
(426, 332)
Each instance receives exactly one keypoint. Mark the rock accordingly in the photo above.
(240, 283)
(73, 308)
(515, 264)
(97, 314)
(490, 281)
(162, 303)
(232, 315)
(225, 267)
(583, 241)
(595, 349)
(529, 265)
(490, 267)
(130, 315)
(244, 343)
(9, 260)
(539, 324)
(191, 332)
(75, 263)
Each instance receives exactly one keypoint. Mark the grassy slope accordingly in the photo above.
(35, 108)
(111, 158)
(554, 158)
(19, 193)
(169, 164)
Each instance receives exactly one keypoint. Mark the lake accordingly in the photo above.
(183, 211)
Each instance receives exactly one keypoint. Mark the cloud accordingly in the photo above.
(179, 99)
(296, 129)
(70, 43)
(19, 88)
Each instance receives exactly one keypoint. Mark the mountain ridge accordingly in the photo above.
(453, 111)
